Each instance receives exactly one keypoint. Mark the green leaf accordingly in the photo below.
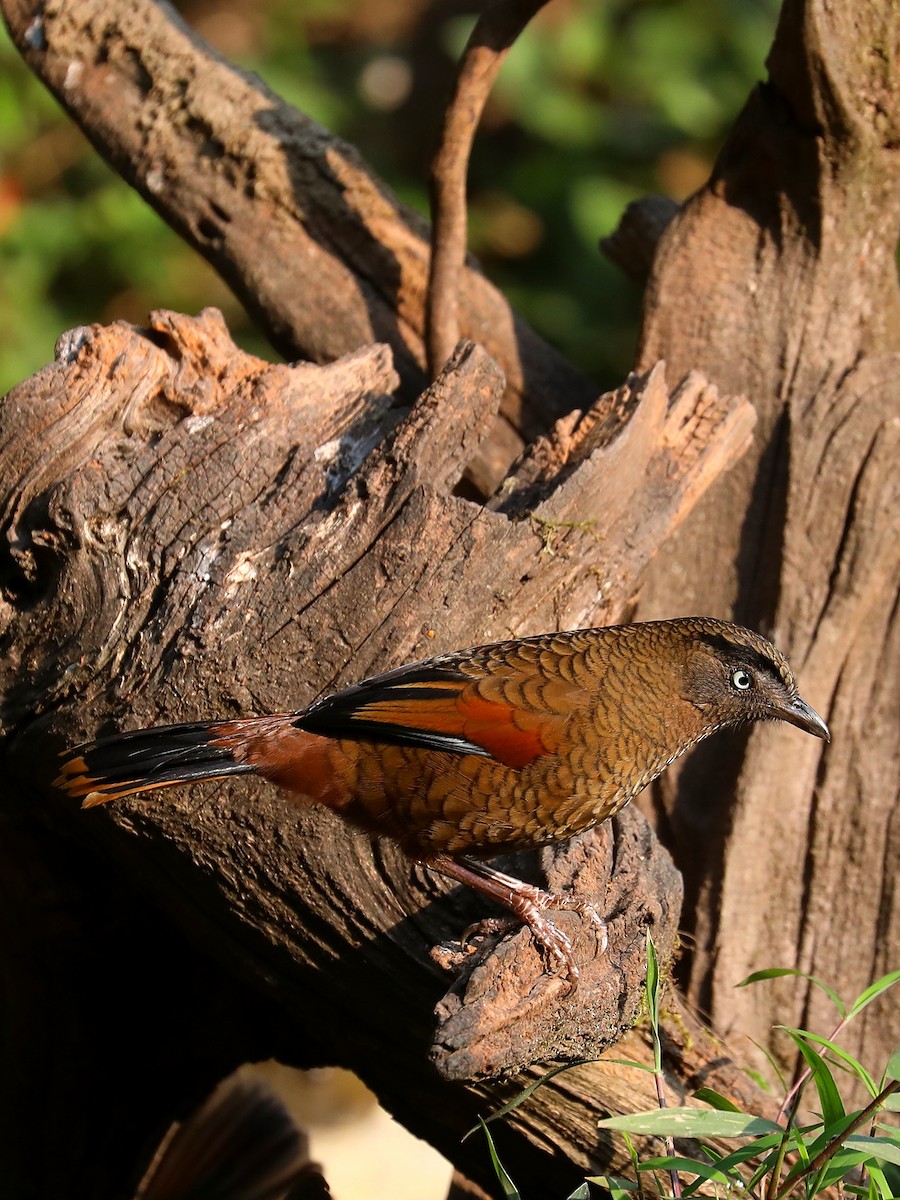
(892, 1070)
(521, 1097)
(770, 1163)
(873, 991)
(776, 1070)
(878, 1178)
(758, 1078)
(632, 1151)
(882, 1149)
(836, 1168)
(759, 1145)
(829, 1096)
(618, 1188)
(652, 991)
(893, 1103)
(778, 972)
(582, 1192)
(510, 1191)
(715, 1100)
(691, 1122)
(855, 1066)
(652, 984)
(691, 1166)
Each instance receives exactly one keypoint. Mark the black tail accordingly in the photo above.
(154, 758)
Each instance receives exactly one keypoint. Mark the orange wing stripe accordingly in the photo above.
(512, 737)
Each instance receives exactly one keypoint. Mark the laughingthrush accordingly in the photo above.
(485, 750)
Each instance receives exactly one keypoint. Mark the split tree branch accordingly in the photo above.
(488, 45)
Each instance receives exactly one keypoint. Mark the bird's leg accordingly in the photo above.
(526, 902)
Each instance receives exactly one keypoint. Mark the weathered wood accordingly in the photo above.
(195, 531)
(314, 245)
(484, 1032)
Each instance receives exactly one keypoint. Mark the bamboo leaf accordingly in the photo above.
(838, 1166)
(884, 1149)
(691, 1122)
(873, 991)
(582, 1192)
(778, 972)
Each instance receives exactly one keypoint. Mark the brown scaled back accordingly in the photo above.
(484, 750)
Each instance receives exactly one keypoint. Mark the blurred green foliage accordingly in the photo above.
(597, 104)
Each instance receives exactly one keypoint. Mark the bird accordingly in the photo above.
(483, 751)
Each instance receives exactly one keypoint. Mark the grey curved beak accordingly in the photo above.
(799, 713)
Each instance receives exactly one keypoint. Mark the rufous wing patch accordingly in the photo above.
(462, 723)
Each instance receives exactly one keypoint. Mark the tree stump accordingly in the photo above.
(192, 530)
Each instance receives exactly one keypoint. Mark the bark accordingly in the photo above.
(193, 531)
(788, 255)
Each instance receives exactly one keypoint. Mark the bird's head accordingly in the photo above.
(733, 675)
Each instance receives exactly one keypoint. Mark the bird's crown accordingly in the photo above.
(742, 647)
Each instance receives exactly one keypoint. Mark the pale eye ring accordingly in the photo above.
(741, 680)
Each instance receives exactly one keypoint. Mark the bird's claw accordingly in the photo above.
(528, 904)
(553, 942)
(486, 926)
(573, 904)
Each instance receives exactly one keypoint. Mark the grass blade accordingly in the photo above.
(852, 1063)
(715, 1100)
(829, 1096)
(618, 1188)
(521, 1097)
(510, 1191)
(652, 992)
(692, 1166)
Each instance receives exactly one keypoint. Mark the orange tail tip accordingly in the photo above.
(146, 759)
(76, 780)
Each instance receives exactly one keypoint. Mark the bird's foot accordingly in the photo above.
(529, 905)
(556, 945)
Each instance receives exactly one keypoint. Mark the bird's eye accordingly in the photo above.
(741, 680)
